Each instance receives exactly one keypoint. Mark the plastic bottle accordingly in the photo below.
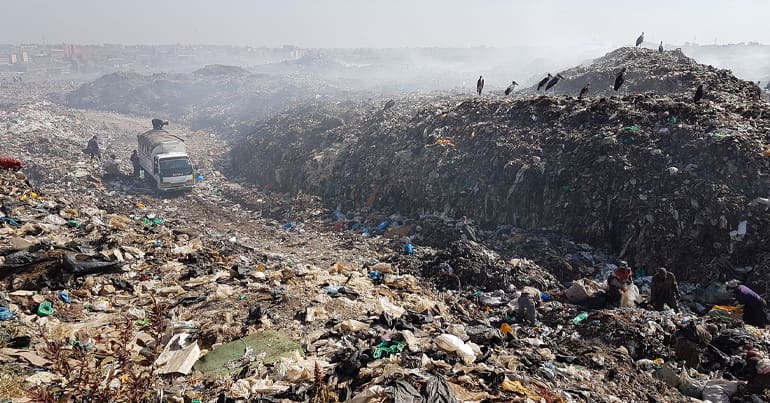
(581, 317)
(332, 289)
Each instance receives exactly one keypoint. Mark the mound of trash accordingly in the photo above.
(647, 70)
(111, 293)
(652, 177)
(215, 97)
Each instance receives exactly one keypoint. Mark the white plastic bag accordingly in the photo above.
(719, 390)
(630, 297)
(453, 344)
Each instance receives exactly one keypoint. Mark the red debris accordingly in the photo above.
(10, 163)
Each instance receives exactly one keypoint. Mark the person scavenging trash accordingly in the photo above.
(664, 290)
(111, 166)
(135, 164)
(528, 301)
(754, 306)
(617, 283)
(92, 149)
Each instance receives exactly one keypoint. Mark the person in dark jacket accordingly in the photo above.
(92, 149)
(664, 290)
(135, 163)
(528, 300)
(754, 306)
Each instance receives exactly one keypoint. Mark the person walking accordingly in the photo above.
(92, 149)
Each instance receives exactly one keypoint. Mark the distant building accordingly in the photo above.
(70, 50)
(12, 59)
(24, 57)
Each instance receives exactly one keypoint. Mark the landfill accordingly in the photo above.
(212, 97)
(651, 176)
(351, 252)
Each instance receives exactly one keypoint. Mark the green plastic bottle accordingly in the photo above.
(580, 318)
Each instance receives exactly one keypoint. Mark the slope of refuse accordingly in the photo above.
(647, 70)
(213, 97)
(236, 293)
(652, 177)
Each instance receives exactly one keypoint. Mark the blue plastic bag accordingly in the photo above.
(409, 249)
(5, 313)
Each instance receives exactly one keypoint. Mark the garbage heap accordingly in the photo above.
(647, 70)
(652, 177)
(106, 301)
(114, 294)
(214, 97)
(110, 303)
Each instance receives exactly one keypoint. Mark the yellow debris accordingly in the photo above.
(517, 387)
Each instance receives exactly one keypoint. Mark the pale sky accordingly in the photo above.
(384, 23)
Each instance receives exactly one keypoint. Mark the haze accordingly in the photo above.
(391, 23)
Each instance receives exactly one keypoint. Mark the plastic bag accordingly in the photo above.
(689, 386)
(438, 391)
(719, 390)
(581, 290)
(630, 297)
(668, 374)
(453, 344)
(403, 392)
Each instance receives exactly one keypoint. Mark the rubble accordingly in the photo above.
(669, 73)
(263, 293)
(650, 177)
(215, 97)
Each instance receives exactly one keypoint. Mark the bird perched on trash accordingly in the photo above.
(157, 124)
(620, 79)
(480, 85)
(554, 81)
(698, 94)
(660, 47)
(640, 39)
(391, 103)
(544, 81)
(511, 87)
(584, 91)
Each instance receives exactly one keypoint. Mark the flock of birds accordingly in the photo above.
(550, 81)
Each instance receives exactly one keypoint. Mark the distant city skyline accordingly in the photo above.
(391, 23)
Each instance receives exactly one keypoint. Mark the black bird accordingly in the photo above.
(554, 81)
(640, 39)
(544, 82)
(584, 91)
(698, 94)
(511, 87)
(389, 105)
(620, 79)
(660, 48)
(480, 85)
(157, 124)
